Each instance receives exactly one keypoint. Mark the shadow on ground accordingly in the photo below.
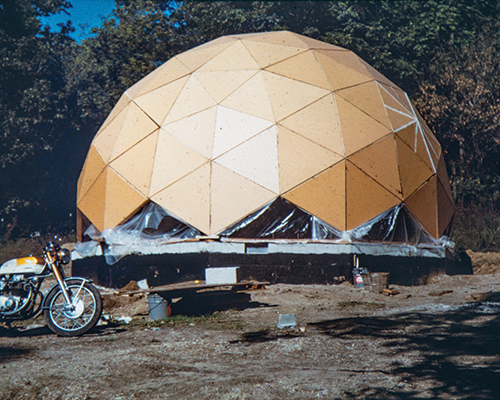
(458, 350)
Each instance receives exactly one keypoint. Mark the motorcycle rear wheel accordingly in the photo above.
(78, 317)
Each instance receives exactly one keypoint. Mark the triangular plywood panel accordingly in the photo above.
(408, 134)
(93, 203)
(323, 196)
(423, 150)
(423, 205)
(281, 38)
(266, 54)
(140, 86)
(358, 128)
(189, 199)
(221, 84)
(235, 57)
(391, 100)
(300, 159)
(256, 159)
(398, 119)
(198, 56)
(173, 160)
(192, 99)
(136, 164)
(288, 95)
(233, 128)
(233, 197)
(117, 109)
(367, 98)
(413, 170)
(380, 162)
(398, 95)
(195, 131)
(318, 44)
(318, 122)
(157, 103)
(342, 69)
(446, 208)
(252, 98)
(105, 139)
(136, 126)
(365, 198)
(443, 177)
(122, 200)
(377, 75)
(303, 67)
(171, 71)
(93, 166)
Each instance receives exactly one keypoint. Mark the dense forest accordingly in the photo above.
(55, 91)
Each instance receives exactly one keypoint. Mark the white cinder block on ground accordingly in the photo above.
(223, 275)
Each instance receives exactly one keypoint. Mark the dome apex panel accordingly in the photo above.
(218, 132)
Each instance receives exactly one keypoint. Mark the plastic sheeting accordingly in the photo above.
(154, 227)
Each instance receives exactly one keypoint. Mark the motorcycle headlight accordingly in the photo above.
(64, 256)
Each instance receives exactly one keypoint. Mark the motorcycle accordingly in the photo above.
(71, 307)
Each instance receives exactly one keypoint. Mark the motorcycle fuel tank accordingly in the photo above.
(24, 265)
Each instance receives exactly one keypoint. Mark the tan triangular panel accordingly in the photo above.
(173, 160)
(122, 200)
(423, 149)
(431, 142)
(443, 177)
(195, 131)
(342, 69)
(221, 84)
(394, 102)
(256, 159)
(252, 98)
(136, 164)
(398, 119)
(408, 134)
(139, 87)
(380, 162)
(198, 56)
(446, 209)
(117, 109)
(318, 44)
(300, 159)
(358, 128)
(423, 205)
(323, 196)
(398, 95)
(377, 75)
(365, 198)
(136, 126)
(266, 54)
(189, 199)
(367, 98)
(105, 139)
(235, 57)
(303, 67)
(157, 103)
(320, 123)
(289, 95)
(413, 170)
(233, 128)
(233, 197)
(171, 71)
(93, 166)
(192, 99)
(93, 203)
(282, 38)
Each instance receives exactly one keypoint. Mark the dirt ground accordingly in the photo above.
(438, 341)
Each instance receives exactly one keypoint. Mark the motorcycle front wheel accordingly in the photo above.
(76, 318)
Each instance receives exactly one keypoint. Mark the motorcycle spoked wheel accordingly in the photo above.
(84, 313)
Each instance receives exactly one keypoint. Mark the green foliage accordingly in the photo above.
(476, 228)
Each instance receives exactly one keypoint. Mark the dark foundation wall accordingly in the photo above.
(274, 268)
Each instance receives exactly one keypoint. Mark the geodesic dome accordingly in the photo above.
(268, 132)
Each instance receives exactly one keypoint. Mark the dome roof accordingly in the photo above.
(221, 130)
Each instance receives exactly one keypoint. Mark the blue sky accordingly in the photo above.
(85, 14)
